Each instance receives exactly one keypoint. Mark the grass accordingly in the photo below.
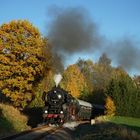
(130, 122)
(110, 128)
(125, 120)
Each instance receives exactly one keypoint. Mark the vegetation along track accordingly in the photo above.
(33, 134)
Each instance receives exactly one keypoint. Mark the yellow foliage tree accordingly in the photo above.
(22, 60)
(110, 106)
(73, 80)
(86, 68)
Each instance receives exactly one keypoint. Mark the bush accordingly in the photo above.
(110, 107)
(11, 120)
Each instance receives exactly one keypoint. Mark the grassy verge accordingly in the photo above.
(11, 120)
(105, 131)
(110, 128)
(130, 122)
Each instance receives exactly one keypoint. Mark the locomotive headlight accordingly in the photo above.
(59, 96)
(46, 111)
(61, 112)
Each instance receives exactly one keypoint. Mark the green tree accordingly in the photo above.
(101, 74)
(104, 60)
(124, 93)
(22, 60)
(97, 77)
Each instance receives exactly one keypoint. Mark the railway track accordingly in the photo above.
(33, 134)
(43, 132)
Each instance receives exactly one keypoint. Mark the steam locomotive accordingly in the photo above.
(61, 107)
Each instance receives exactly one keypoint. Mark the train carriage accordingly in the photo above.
(85, 111)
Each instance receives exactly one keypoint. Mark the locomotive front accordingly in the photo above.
(54, 101)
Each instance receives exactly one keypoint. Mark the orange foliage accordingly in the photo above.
(73, 80)
(110, 106)
(22, 60)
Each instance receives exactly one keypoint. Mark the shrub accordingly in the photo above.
(11, 120)
(110, 106)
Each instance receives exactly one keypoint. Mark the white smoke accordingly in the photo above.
(57, 79)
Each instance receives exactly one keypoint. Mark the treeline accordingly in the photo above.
(28, 64)
(112, 87)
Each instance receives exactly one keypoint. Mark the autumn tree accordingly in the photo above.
(73, 80)
(22, 61)
(110, 106)
(86, 68)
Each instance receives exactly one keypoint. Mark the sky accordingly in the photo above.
(115, 19)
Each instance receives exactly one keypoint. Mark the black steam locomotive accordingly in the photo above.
(60, 107)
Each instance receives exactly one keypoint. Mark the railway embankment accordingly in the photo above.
(105, 131)
(98, 131)
(11, 121)
(101, 129)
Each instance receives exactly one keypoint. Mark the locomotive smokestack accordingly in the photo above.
(57, 79)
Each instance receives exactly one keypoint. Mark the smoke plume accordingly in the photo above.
(72, 31)
(125, 53)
